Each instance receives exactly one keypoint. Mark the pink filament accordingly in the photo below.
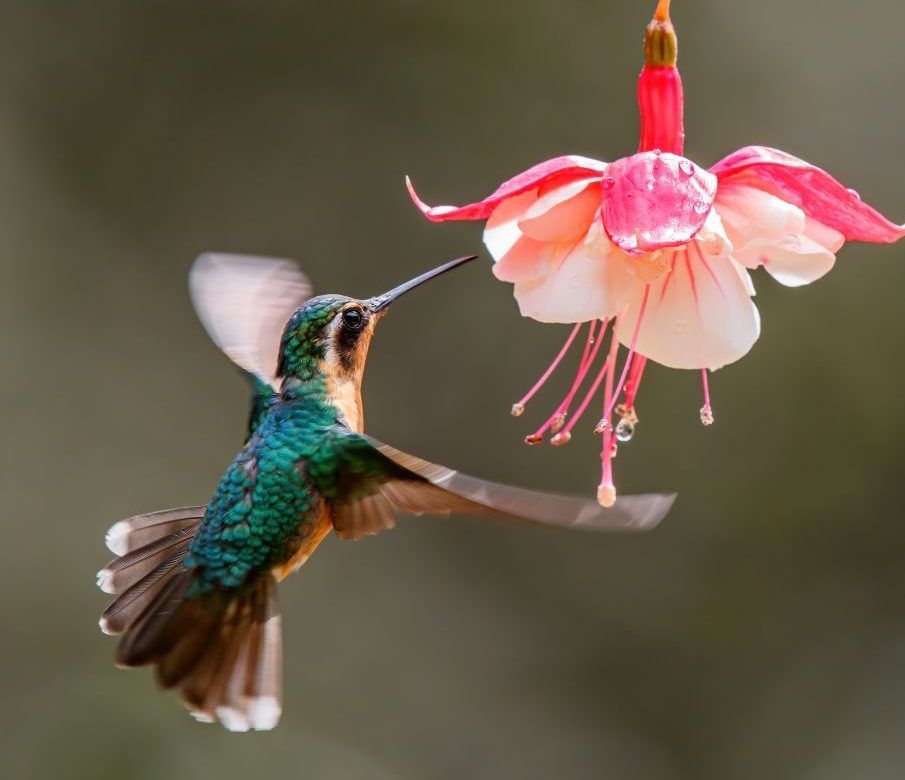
(556, 361)
(606, 452)
(639, 363)
(631, 351)
(592, 391)
(706, 383)
(587, 358)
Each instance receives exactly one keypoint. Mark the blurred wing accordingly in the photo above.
(381, 483)
(244, 303)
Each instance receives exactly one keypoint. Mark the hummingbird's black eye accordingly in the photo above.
(353, 319)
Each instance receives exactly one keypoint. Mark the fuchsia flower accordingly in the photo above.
(657, 250)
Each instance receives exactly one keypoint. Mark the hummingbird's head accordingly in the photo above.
(328, 336)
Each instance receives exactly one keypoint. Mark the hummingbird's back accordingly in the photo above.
(196, 594)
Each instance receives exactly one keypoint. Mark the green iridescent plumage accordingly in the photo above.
(196, 586)
(268, 496)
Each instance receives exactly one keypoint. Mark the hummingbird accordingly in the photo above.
(195, 587)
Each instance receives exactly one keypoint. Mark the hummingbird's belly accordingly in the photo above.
(312, 535)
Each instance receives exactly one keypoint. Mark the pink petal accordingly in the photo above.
(654, 200)
(563, 213)
(813, 190)
(559, 170)
(699, 315)
(592, 281)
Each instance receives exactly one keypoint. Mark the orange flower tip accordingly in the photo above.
(601, 427)
(533, 439)
(558, 422)
(561, 439)
(518, 410)
(606, 496)
(662, 12)
(706, 416)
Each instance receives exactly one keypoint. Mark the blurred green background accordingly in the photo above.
(759, 633)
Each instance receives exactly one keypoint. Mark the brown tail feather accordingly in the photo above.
(222, 651)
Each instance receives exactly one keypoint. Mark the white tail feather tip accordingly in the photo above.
(264, 712)
(118, 536)
(105, 581)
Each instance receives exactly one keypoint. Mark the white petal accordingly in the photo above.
(593, 281)
(827, 237)
(699, 315)
(750, 214)
(563, 213)
(795, 261)
(502, 231)
(529, 260)
(712, 238)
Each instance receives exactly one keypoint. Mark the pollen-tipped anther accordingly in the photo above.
(533, 439)
(606, 496)
(706, 415)
(562, 438)
(558, 422)
(518, 410)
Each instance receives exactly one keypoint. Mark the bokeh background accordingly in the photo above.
(759, 633)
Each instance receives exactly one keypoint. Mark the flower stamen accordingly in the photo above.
(608, 409)
(706, 409)
(606, 490)
(563, 436)
(518, 409)
(558, 419)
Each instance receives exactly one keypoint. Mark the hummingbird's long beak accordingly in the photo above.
(380, 302)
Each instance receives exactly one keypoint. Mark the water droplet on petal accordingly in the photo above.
(608, 183)
(625, 430)
(855, 194)
(651, 185)
(701, 207)
(687, 167)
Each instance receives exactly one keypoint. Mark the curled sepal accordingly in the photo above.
(654, 200)
(812, 189)
(559, 170)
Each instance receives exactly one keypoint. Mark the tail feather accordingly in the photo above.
(127, 608)
(134, 532)
(124, 572)
(222, 651)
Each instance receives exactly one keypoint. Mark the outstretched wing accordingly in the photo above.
(244, 303)
(379, 483)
